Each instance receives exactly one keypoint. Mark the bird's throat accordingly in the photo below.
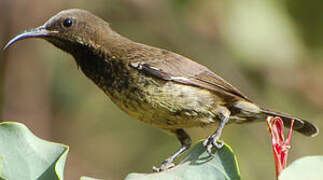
(106, 71)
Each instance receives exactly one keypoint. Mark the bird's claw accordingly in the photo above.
(211, 142)
(165, 165)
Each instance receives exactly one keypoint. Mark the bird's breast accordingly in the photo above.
(163, 104)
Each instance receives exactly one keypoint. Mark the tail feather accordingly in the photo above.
(304, 127)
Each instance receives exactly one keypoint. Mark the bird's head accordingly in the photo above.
(70, 29)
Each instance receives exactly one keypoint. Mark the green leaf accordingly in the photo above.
(198, 164)
(310, 168)
(25, 156)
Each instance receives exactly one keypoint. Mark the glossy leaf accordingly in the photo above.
(198, 164)
(310, 168)
(25, 156)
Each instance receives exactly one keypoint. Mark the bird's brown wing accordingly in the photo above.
(173, 67)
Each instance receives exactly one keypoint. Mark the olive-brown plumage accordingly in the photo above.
(155, 86)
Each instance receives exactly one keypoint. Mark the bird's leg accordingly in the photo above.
(212, 141)
(185, 141)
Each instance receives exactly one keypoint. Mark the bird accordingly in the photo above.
(153, 85)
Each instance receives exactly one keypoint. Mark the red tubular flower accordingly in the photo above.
(279, 144)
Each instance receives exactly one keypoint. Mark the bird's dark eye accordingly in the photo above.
(68, 22)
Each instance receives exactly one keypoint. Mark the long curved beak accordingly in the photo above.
(33, 33)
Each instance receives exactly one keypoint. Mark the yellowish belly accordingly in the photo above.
(168, 105)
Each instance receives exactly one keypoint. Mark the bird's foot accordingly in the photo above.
(165, 165)
(212, 141)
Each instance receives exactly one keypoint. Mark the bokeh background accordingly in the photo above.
(272, 50)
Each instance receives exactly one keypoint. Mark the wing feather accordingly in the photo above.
(169, 66)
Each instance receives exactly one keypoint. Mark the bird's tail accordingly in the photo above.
(304, 127)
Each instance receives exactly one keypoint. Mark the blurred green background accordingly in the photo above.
(271, 50)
